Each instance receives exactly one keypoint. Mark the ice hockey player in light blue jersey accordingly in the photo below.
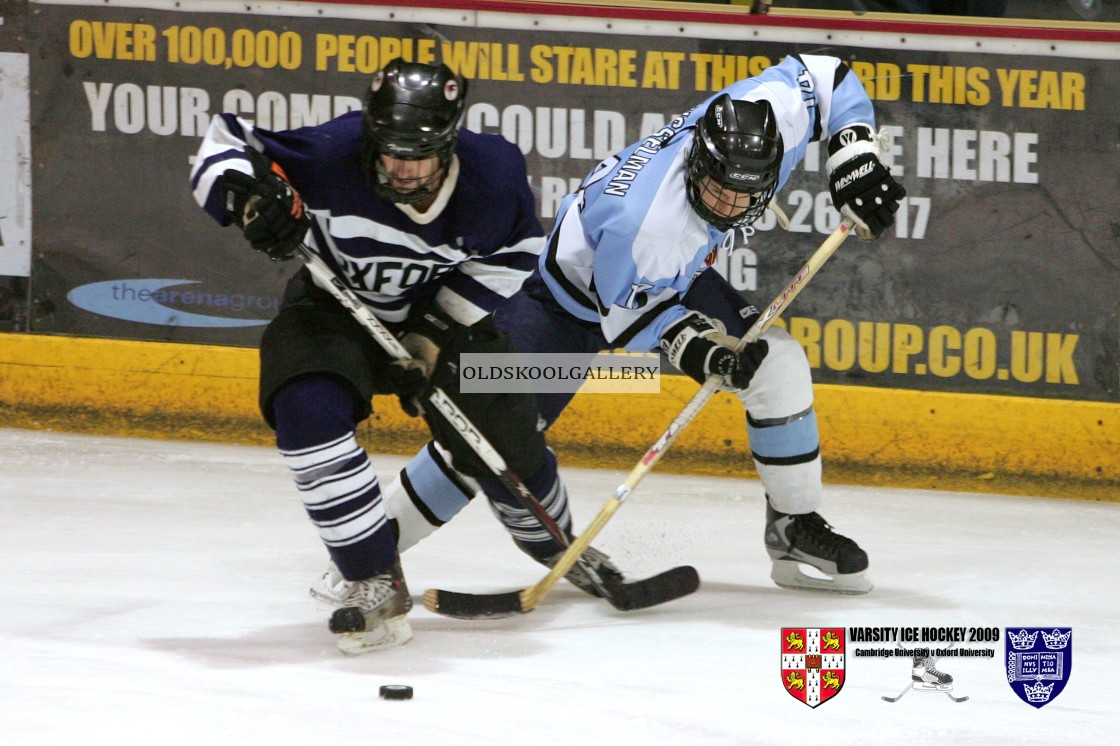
(648, 227)
(627, 265)
(433, 227)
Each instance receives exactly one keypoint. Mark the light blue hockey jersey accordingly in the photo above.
(627, 246)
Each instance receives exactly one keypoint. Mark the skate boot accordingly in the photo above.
(929, 679)
(808, 539)
(599, 563)
(369, 614)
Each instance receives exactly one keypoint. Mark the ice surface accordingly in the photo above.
(155, 592)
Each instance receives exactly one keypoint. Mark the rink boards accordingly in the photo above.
(869, 435)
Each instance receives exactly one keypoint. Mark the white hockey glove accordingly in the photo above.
(862, 187)
(429, 329)
(699, 347)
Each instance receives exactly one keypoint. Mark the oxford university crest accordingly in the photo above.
(1039, 661)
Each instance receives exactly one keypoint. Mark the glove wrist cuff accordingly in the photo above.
(850, 142)
(689, 329)
(431, 321)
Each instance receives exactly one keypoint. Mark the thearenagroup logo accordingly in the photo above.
(812, 663)
(165, 303)
(1039, 662)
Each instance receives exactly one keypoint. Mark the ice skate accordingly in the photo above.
(793, 540)
(928, 679)
(599, 563)
(369, 614)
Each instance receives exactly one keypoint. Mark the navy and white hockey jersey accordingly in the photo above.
(472, 249)
(627, 245)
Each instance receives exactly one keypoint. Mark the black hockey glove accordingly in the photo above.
(699, 347)
(862, 187)
(267, 208)
(407, 382)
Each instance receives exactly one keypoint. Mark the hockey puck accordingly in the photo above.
(396, 691)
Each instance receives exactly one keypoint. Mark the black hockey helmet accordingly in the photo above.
(412, 112)
(736, 147)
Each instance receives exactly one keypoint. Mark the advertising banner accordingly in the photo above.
(1001, 275)
(15, 166)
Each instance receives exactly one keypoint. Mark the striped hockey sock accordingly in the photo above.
(523, 526)
(336, 481)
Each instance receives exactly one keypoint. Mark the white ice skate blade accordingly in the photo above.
(393, 633)
(788, 574)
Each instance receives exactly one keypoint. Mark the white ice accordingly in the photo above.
(155, 592)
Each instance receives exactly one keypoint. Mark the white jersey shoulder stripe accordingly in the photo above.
(354, 226)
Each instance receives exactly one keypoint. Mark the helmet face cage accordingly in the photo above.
(412, 112)
(736, 152)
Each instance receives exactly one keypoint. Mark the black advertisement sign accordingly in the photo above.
(1001, 275)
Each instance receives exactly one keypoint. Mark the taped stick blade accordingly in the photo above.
(653, 591)
(474, 606)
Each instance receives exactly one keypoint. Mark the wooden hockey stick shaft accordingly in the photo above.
(780, 215)
(473, 437)
(534, 594)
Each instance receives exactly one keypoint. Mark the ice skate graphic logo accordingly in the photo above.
(812, 663)
(1031, 662)
(925, 677)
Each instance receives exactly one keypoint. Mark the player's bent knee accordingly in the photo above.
(783, 384)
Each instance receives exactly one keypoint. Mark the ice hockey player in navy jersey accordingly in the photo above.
(432, 226)
(627, 266)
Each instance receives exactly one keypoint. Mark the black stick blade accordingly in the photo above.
(658, 589)
(473, 606)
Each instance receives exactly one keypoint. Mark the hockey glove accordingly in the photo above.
(429, 330)
(407, 382)
(699, 347)
(862, 188)
(269, 211)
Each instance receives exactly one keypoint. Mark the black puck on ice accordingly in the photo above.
(396, 691)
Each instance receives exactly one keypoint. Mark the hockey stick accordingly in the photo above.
(779, 215)
(439, 399)
(623, 596)
(466, 605)
(895, 699)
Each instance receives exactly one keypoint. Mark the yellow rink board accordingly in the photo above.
(875, 436)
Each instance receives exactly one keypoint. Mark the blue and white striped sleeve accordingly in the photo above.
(222, 149)
(481, 284)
